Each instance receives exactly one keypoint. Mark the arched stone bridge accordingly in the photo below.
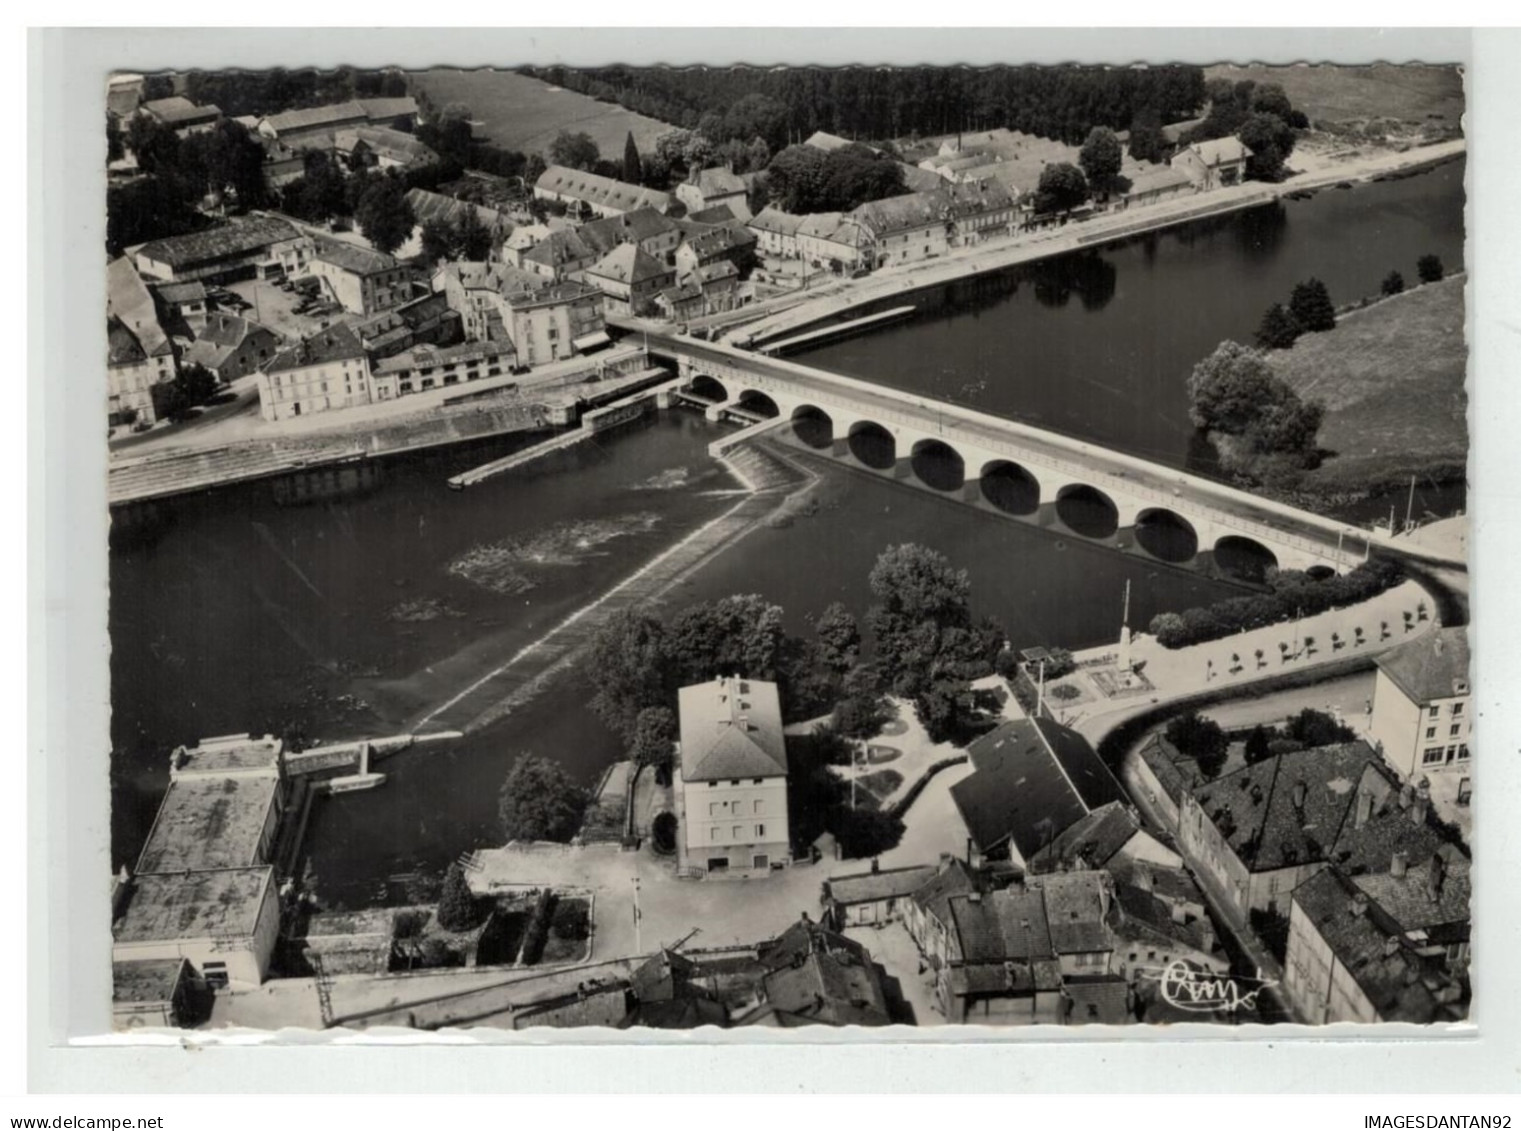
(1040, 477)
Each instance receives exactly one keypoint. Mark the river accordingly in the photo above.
(243, 615)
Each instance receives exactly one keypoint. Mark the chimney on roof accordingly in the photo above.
(945, 863)
(1300, 790)
(1391, 946)
(1399, 863)
(1359, 903)
(1364, 809)
(876, 865)
(1421, 805)
(974, 897)
(1436, 873)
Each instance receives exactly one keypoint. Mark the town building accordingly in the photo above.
(1000, 968)
(731, 779)
(712, 188)
(524, 238)
(831, 239)
(317, 125)
(426, 367)
(360, 279)
(817, 976)
(153, 994)
(436, 206)
(1422, 717)
(864, 899)
(181, 115)
(139, 354)
(776, 232)
(651, 231)
(324, 371)
(906, 229)
(554, 322)
(1263, 830)
(927, 915)
(629, 278)
(1349, 958)
(979, 209)
(681, 303)
(1077, 912)
(1106, 837)
(423, 321)
(204, 888)
(1151, 931)
(1032, 780)
(1157, 183)
(185, 306)
(231, 347)
(398, 113)
(224, 253)
(562, 255)
(378, 147)
(282, 164)
(1213, 164)
(588, 193)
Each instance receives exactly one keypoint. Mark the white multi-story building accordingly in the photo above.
(731, 780)
(325, 371)
(1422, 718)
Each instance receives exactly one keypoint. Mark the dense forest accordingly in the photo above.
(893, 102)
(237, 93)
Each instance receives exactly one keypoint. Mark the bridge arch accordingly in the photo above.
(753, 400)
(708, 387)
(1009, 487)
(1166, 535)
(873, 445)
(1087, 511)
(1244, 559)
(938, 465)
(813, 426)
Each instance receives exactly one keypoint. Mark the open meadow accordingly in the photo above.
(522, 113)
(1414, 94)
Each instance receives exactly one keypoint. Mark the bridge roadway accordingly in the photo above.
(1136, 489)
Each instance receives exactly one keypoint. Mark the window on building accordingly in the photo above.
(717, 832)
(713, 808)
(734, 782)
(1457, 709)
(739, 831)
(758, 781)
(1431, 732)
(1454, 730)
(712, 785)
(1431, 756)
(760, 830)
(1433, 711)
(760, 807)
(1463, 752)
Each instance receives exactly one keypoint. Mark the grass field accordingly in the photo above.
(1413, 94)
(522, 113)
(1392, 379)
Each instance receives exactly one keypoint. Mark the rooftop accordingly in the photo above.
(238, 237)
(1156, 179)
(146, 983)
(382, 109)
(628, 263)
(603, 191)
(1032, 781)
(713, 214)
(602, 236)
(718, 182)
(902, 213)
(337, 114)
(194, 905)
(1434, 667)
(352, 258)
(1137, 910)
(889, 883)
(229, 752)
(178, 111)
(400, 147)
(1220, 150)
(336, 343)
(129, 300)
(1371, 945)
(440, 355)
(1090, 841)
(1433, 892)
(208, 823)
(1076, 904)
(176, 293)
(1098, 999)
(1006, 925)
(777, 221)
(731, 728)
(436, 206)
(950, 879)
(560, 248)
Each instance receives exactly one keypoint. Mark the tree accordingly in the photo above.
(796, 175)
(472, 239)
(1147, 141)
(1269, 98)
(1257, 745)
(192, 386)
(738, 635)
(1279, 328)
(1228, 388)
(633, 668)
(320, 190)
(1271, 140)
(862, 711)
(839, 637)
(1311, 306)
(384, 214)
(574, 150)
(456, 902)
(633, 170)
(146, 209)
(654, 732)
(1101, 158)
(1201, 739)
(539, 801)
(1393, 284)
(1062, 188)
(437, 240)
(663, 829)
(1317, 728)
(1428, 268)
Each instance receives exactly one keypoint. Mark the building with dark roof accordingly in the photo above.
(151, 994)
(629, 279)
(927, 913)
(231, 347)
(1349, 958)
(906, 229)
(324, 371)
(1149, 933)
(423, 321)
(650, 230)
(182, 115)
(227, 251)
(877, 896)
(1095, 840)
(378, 147)
(599, 196)
(1097, 999)
(1422, 715)
(1077, 910)
(776, 232)
(1032, 780)
(818, 976)
(444, 209)
(425, 367)
(139, 353)
(560, 255)
(712, 188)
(1000, 967)
(731, 779)
(314, 125)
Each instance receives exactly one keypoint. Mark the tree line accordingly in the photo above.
(239, 93)
(782, 105)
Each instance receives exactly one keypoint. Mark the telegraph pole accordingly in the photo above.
(638, 916)
(1410, 503)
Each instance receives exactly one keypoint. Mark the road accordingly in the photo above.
(1191, 495)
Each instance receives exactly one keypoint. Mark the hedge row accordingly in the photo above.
(1292, 593)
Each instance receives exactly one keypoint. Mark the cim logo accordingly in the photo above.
(1186, 987)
